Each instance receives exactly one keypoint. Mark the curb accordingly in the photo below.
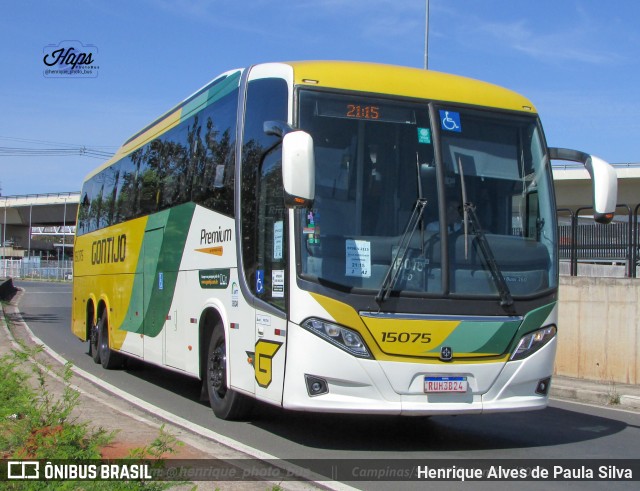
(581, 395)
(608, 396)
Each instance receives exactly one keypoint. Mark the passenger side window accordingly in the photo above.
(262, 200)
(270, 230)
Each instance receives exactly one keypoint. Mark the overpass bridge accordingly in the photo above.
(52, 214)
(573, 185)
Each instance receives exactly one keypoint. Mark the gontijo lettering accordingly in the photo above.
(109, 250)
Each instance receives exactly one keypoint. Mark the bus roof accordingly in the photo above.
(407, 82)
(371, 78)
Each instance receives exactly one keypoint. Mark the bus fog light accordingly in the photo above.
(532, 342)
(316, 386)
(543, 386)
(346, 339)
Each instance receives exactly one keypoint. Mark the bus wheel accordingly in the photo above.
(93, 343)
(109, 358)
(226, 403)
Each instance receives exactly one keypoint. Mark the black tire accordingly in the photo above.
(108, 358)
(226, 403)
(93, 343)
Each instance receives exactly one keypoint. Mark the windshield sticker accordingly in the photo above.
(424, 135)
(312, 230)
(450, 121)
(358, 255)
(277, 283)
(278, 228)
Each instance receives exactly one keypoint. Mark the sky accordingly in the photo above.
(577, 60)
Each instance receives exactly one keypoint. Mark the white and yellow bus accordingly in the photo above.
(333, 237)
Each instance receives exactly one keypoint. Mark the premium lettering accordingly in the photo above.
(109, 250)
(215, 236)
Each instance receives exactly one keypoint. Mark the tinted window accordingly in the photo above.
(193, 161)
(266, 101)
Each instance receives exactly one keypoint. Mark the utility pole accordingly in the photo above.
(426, 37)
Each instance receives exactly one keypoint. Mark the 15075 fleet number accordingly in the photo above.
(406, 337)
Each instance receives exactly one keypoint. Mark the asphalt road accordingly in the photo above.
(562, 431)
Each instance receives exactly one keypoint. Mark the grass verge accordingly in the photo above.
(38, 423)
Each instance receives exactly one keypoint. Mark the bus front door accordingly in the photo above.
(269, 357)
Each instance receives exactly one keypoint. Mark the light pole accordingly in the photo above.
(4, 240)
(64, 226)
(426, 36)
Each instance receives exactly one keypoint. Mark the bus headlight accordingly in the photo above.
(345, 339)
(533, 341)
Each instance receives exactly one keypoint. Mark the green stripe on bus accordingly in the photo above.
(493, 337)
(481, 337)
(215, 93)
(157, 270)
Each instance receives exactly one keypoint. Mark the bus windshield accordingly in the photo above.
(487, 228)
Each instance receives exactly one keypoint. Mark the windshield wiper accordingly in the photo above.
(470, 213)
(396, 263)
(503, 289)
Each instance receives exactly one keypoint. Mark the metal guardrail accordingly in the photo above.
(16, 197)
(565, 165)
(588, 242)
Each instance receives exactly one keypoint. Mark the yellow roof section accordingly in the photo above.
(407, 82)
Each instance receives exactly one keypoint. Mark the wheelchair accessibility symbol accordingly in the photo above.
(260, 281)
(450, 121)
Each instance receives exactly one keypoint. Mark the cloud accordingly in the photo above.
(552, 33)
(570, 44)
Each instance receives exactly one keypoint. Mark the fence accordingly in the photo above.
(582, 240)
(44, 270)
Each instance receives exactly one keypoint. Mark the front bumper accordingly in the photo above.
(358, 385)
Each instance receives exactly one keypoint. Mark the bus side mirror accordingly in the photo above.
(298, 169)
(603, 179)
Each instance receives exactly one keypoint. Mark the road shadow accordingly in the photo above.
(352, 432)
(176, 383)
(549, 427)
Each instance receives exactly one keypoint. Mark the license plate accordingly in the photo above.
(445, 384)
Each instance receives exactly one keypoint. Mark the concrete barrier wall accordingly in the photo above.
(599, 329)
